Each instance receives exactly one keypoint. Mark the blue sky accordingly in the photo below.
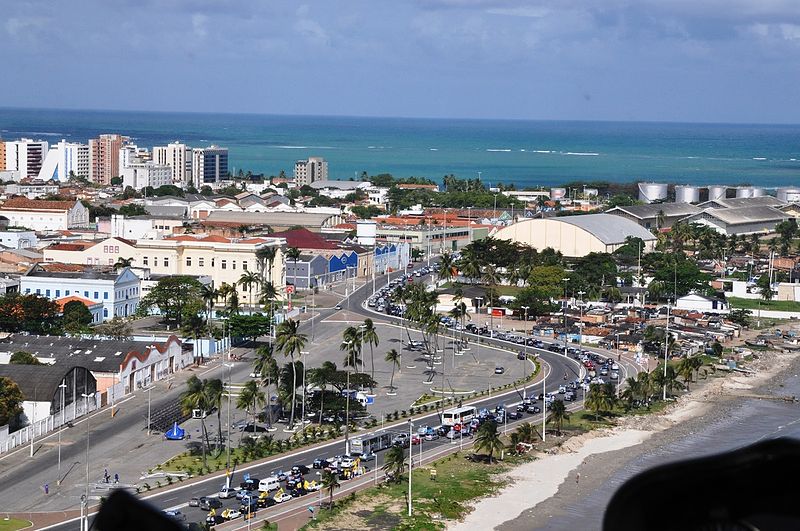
(673, 60)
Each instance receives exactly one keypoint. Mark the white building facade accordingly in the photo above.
(63, 159)
(209, 165)
(311, 170)
(178, 157)
(26, 156)
(140, 175)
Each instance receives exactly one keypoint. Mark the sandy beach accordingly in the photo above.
(564, 474)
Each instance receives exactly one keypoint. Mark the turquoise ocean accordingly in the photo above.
(527, 153)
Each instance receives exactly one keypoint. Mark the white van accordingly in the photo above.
(269, 484)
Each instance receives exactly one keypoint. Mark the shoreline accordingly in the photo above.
(565, 474)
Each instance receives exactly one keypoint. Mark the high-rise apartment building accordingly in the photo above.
(64, 159)
(178, 157)
(2, 155)
(137, 169)
(104, 157)
(209, 165)
(26, 156)
(310, 170)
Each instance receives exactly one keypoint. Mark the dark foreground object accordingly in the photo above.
(122, 511)
(752, 488)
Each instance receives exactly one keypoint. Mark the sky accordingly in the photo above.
(643, 60)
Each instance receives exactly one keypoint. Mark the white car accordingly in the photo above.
(227, 492)
(280, 498)
(346, 462)
(231, 514)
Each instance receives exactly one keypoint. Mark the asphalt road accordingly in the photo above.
(555, 366)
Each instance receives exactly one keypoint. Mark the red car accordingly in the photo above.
(415, 439)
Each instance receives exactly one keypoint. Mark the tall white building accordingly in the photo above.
(178, 157)
(310, 170)
(138, 171)
(63, 159)
(26, 156)
(209, 165)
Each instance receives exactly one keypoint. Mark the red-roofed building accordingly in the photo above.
(95, 308)
(101, 252)
(45, 216)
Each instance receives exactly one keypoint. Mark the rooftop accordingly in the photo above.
(736, 202)
(22, 203)
(654, 210)
(747, 214)
(608, 228)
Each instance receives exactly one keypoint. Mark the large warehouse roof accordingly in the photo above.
(656, 209)
(607, 228)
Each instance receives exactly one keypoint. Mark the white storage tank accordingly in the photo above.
(789, 194)
(717, 192)
(557, 193)
(651, 192)
(744, 191)
(759, 192)
(687, 194)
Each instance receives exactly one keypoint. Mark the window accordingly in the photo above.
(145, 261)
(27, 290)
(38, 291)
(58, 293)
(105, 312)
(166, 262)
(244, 265)
(105, 295)
(224, 264)
(233, 264)
(105, 248)
(201, 262)
(47, 293)
(66, 292)
(212, 262)
(188, 261)
(86, 294)
(96, 295)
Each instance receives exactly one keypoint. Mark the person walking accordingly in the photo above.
(577, 478)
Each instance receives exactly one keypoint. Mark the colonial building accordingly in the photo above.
(43, 216)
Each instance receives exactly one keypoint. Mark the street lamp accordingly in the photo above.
(525, 361)
(85, 499)
(580, 330)
(666, 348)
(63, 386)
(564, 312)
(410, 427)
(349, 342)
(303, 354)
(228, 436)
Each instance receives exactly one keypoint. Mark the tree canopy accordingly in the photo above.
(176, 298)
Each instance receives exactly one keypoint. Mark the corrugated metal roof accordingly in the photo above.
(748, 214)
(607, 228)
(653, 210)
(737, 202)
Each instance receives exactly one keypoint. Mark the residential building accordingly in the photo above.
(25, 156)
(18, 260)
(18, 238)
(701, 303)
(339, 189)
(44, 216)
(2, 155)
(33, 189)
(139, 175)
(311, 170)
(178, 157)
(104, 157)
(133, 154)
(65, 159)
(119, 292)
(209, 165)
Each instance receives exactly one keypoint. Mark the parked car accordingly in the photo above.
(499, 370)
(431, 436)
(300, 469)
(231, 514)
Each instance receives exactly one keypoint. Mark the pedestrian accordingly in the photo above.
(116, 478)
(577, 478)
(105, 475)
(47, 488)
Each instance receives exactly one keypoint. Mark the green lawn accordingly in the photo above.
(13, 524)
(755, 304)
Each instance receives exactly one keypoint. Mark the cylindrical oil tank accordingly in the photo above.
(717, 192)
(557, 193)
(789, 194)
(687, 194)
(744, 191)
(759, 192)
(650, 192)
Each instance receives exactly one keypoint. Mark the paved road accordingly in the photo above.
(554, 365)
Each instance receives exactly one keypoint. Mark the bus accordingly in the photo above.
(458, 415)
(370, 443)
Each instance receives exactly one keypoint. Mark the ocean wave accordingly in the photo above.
(433, 149)
(499, 150)
(34, 133)
(581, 154)
(759, 158)
(542, 151)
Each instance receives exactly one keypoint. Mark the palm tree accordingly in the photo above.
(265, 257)
(250, 395)
(369, 335)
(351, 345)
(209, 296)
(330, 482)
(122, 263)
(392, 357)
(487, 438)
(293, 253)
(632, 393)
(394, 463)
(526, 432)
(598, 400)
(196, 397)
(558, 414)
(265, 366)
(320, 377)
(249, 280)
(291, 342)
(446, 267)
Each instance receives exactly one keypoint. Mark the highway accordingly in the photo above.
(177, 497)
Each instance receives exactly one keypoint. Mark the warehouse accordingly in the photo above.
(576, 236)
(741, 220)
(657, 215)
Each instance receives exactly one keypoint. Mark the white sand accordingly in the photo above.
(537, 481)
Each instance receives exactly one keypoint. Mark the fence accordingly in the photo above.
(9, 441)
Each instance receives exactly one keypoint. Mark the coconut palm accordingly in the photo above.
(351, 346)
(320, 377)
(487, 439)
(293, 253)
(265, 366)
(248, 281)
(215, 391)
(122, 263)
(196, 397)
(394, 463)
(209, 296)
(265, 257)
(250, 395)
(330, 482)
(291, 342)
(446, 267)
(369, 335)
(558, 414)
(597, 400)
(392, 357)
(526, 432)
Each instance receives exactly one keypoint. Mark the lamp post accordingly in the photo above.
(544, 404)
(63, 387)
(33, 421)
(580, 330)
(347, 410)
(410, 427)
(85, 499)
(303, 354)
(525, 361)
(564, 312)
(228, 435)
(666, 348)
(148, 409)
